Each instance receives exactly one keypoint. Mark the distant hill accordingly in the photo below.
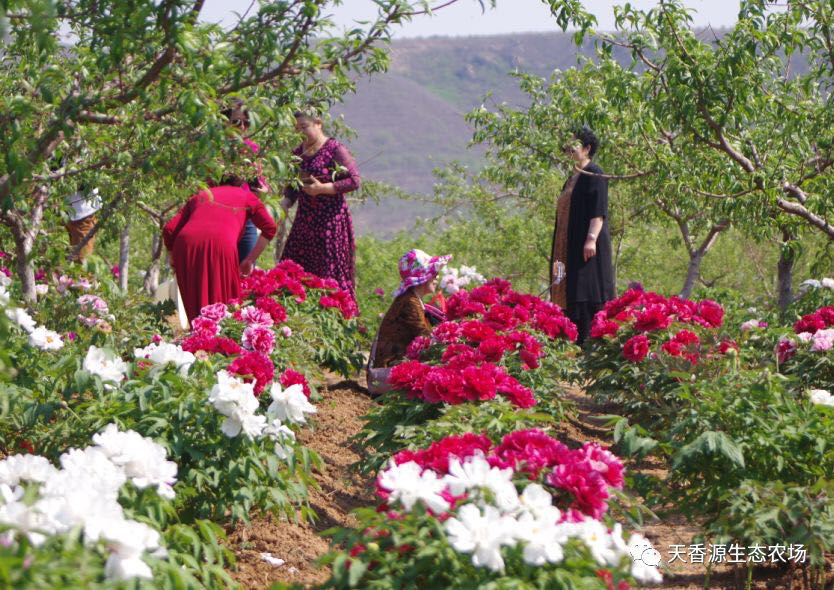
(411, 119)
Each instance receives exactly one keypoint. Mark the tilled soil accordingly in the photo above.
(299, 544)
(339, 417)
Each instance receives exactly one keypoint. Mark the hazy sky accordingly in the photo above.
(465, 17)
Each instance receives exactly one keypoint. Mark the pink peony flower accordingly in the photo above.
(286, 331)
(216, 312)
(258, 338)
(204, 327)
(417, 346)
(253, 316)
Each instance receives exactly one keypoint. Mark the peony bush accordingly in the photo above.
(527, 510)
(496, 348)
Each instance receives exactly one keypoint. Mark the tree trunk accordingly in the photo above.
(151, 282)
(124, 256)
(784, 278)
(25, 270)
(693, 272)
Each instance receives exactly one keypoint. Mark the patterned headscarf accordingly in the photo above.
(417, 267)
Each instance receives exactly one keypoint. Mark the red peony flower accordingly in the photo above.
(443, 385)
(529, 451)
(493, 349)
(636, 348)
(275, 310)
(408, 377)
(476, 331)
(254, 366)
(602, 327)
(485, 294)
(653, 318)
(587, 485)
(480, 382)
(711, 313)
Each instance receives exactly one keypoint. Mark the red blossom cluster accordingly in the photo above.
(461, 380)
(814, 322)
(584, 475)
(251, 360)
(484, 327)
(645, 312)
(291, 278)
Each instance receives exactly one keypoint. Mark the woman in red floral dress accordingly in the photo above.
(321, 239)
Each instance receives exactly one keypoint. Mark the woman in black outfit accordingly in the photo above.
(589, 273)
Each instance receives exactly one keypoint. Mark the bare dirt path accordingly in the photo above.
(338, 418)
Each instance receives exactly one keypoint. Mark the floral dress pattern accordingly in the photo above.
(321, 239)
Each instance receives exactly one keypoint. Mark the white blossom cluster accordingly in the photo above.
(162, 353)
(106, 364)
(500, 516)
(39, 336)
(821, 397)
(825, 283)
(236, 400)
(83, 494)
(455, 279)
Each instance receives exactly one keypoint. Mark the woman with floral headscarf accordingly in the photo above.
(406, 319)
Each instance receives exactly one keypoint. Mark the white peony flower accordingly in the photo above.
(21, 318)
(91, 465)
(827, 283)
(821, 397)
(481, 534)
(281, 434)
(105, 364)
(163, 353)
(230, 392)
(289, 404)
(596, 537)
(749, 325)
(537, 501)
(17, 468)
(143, 460)
(4, 280)
(41, 289)
(45, 339)
(239, 421)
(805, 336)
(543, 539)
(407, 483)
(4, 294)
(119, 568)
(476, 472)
(128, 540)
(28, 520)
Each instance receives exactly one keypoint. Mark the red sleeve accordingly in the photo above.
(342, 156)
(176, 223)
(261, 218)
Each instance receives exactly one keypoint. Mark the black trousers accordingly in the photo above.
(582, 314)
